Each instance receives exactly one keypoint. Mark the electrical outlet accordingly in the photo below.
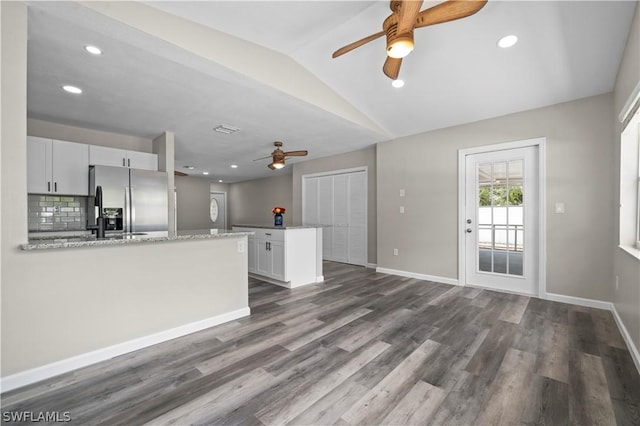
(401, 209)
(395, 251)
(241, 246)
(402, 192)
(559, 208)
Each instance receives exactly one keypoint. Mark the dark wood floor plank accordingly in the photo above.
(510, 391)
(365, 348)
(589, 398)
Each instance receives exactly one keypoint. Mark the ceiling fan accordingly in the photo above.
(278, 156)
(405, 17)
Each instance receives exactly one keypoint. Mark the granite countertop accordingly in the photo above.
(274, 227)
(41, 242)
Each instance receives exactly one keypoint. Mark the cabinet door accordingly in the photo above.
(278, 260)
(264, 258)
(70, 168)
(105, 156)
(142, 160)
(39, 173)
(252, 253)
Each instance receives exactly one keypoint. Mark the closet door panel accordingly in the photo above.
(310, 202)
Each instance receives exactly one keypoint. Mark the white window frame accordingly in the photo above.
(629, 238)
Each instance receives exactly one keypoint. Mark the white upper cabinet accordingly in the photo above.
(57, 167)
(105, 156)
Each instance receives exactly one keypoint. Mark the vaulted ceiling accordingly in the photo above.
(265, 67)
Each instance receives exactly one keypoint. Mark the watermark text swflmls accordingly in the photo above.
(36, 416)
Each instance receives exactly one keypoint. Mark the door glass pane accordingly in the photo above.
(485, 245)
(500, 217)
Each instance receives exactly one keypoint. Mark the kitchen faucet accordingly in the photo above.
(99, 226)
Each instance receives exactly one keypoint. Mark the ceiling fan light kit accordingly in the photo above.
(278, 156)
(400, 47)
(405, 17)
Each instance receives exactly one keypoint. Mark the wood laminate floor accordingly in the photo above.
(365, 348)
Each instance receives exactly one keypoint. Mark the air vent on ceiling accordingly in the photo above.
(223, 128)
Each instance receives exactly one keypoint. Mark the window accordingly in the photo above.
(630, 184)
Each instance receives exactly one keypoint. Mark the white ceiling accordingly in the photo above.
(143, 86)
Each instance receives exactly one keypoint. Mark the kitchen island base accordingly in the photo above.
(286, 256)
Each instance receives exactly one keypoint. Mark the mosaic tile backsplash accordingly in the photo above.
(57, 213)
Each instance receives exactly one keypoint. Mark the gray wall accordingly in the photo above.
(193, 201)
(365, 157)
(626, 267)
(251, 201)
(579, 173)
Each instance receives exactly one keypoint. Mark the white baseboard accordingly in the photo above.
(589, 303)
(37, 374)
(633, 350)
(433, 278)
(608, 306)
(372, 265)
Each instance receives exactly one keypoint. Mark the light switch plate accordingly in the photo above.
(560, 208)
(402, 192)
(401, 209)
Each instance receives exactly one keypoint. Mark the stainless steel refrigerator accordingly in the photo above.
(133, 200)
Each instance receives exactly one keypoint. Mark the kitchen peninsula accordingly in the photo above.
(81, 302)
(289, 256)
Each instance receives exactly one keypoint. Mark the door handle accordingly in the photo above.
(469, 230)
(468, 220)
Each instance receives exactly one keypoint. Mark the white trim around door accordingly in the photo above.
(540, 143)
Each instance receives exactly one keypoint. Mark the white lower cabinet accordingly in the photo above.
(288, 257)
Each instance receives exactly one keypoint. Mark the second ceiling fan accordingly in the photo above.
(278, 156)
(405, 17)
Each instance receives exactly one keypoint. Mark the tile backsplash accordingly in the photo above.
(57, 213)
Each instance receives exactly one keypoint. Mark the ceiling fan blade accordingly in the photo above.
(295, 153)
(355, 44)
(263, 158)
(448, 11)
(391, 67)
(407, 15)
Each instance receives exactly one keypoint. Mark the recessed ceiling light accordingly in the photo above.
(508, 41)
(93, 49)
(72, 89)
(224, 128)
(220, 180)
(205, 173)
(397, 83)
(189, 167)
(234, 166)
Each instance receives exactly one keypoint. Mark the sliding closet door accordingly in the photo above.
(357, 218)
(338, 203)
(325, 214)
(340, 252)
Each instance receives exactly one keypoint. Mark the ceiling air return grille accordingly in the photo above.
(226, 129)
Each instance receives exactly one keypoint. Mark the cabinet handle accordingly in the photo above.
(55, 187)
(48, 186)
(129, 162)
(267, 233)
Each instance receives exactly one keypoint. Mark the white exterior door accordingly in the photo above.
(501, 229)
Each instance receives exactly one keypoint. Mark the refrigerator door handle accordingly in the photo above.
(127, 204)
(132, 209)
